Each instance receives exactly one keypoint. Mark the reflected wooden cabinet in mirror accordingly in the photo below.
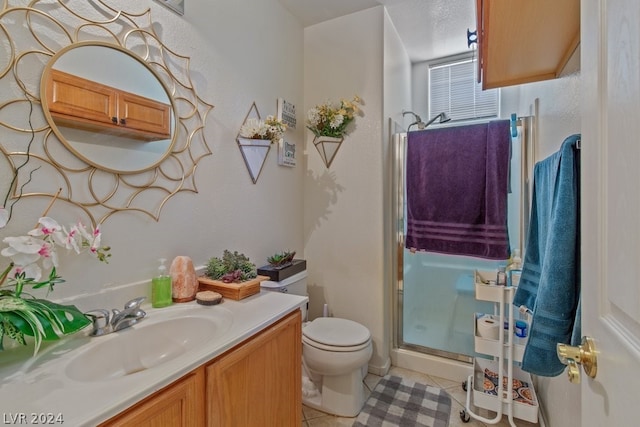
(84, 104)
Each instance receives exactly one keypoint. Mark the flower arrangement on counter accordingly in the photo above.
(332, 120)
(271, 129)
(20, 313)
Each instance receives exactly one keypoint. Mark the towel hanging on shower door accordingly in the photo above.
(457, 185)
(550, 281)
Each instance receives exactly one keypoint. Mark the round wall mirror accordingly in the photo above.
(122, 128)
(108, 107)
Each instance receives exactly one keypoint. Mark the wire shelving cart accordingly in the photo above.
(488, 386)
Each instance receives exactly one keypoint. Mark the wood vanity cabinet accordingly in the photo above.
(260, 382)
(84, 104)
(257, 383)
(180, 404)
(522, 41)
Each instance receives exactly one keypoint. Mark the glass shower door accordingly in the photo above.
(436, 292)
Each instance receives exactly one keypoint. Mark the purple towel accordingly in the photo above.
(457, 184)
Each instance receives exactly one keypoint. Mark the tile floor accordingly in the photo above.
(314, 418)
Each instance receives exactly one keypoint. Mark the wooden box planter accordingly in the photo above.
(234, 291)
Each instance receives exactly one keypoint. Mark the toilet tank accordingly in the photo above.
(296, 285)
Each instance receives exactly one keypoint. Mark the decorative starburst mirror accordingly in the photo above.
(94, 103)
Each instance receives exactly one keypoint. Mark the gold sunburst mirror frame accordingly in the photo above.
(32, 37)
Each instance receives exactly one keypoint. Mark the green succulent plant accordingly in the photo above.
(231, 262)
(280, 259)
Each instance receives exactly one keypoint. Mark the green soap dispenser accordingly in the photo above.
(161, 287)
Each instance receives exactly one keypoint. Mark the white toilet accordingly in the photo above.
(335, 355)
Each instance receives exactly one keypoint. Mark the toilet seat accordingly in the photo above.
(335, 334)
(335, 349)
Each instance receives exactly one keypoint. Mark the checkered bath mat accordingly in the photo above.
(400, 402)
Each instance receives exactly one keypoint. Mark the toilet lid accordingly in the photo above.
(336, 332)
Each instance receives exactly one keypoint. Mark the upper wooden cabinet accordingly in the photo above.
(522, 41)
(84, 104)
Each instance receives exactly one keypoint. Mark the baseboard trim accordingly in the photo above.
(380, 371)
(431, 365)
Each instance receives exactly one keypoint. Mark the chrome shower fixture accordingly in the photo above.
(418, 120)
(442, 118)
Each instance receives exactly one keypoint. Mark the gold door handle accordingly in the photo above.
(584, 354)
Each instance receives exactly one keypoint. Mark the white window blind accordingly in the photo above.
(453, 89)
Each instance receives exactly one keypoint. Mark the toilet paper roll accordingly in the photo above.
(488, 328)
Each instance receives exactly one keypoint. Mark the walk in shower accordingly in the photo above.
(434, 293)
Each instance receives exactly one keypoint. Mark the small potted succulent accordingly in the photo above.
(282, 265)
(281, 259)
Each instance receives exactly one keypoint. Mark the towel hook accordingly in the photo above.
(472, 37)
(514, 126)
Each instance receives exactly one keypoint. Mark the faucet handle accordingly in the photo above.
(134, 303)
(100, 319)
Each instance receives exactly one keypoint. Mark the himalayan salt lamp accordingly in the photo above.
(183, 279)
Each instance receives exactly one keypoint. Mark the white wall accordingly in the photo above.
(236, 58)
(343, 215)
(397, 98)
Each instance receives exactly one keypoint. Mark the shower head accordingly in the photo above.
(418, 120)
(442, 118)
(417, 117)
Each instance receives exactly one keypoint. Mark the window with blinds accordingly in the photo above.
(453, 89)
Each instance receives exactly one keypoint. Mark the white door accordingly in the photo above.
(610, 53)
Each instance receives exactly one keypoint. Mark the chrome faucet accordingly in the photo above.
(105, 322)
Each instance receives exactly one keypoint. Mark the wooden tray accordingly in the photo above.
(235, 291)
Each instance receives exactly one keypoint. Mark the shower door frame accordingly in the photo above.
(527, 126)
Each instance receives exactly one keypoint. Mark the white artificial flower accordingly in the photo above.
(39, 247)
(26, 251)
(336, 121)
(4, 217)
(90, 239)
(313, 115)
(252, 128)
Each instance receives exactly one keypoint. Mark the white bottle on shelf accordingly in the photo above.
(515, 268)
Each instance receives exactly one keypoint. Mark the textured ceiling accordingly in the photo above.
(428, 28)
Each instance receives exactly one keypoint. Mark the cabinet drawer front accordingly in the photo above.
(76, 97)
(145, 114)
(259, 382)
(179, 404)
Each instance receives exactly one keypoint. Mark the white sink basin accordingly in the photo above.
(146, 345)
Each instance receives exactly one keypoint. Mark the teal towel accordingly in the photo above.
(550, 282)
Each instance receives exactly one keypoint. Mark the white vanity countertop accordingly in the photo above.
(38, 390)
